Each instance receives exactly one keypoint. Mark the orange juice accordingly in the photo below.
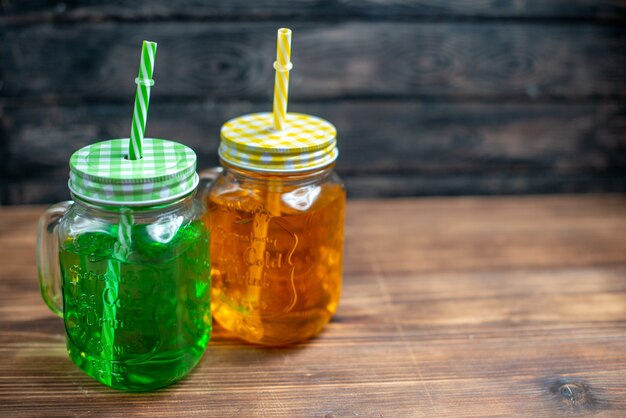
(276, 253)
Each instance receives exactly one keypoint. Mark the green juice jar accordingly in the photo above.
(125, 264)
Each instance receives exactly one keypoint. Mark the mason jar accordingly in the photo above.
(275, 210)
(126, 264)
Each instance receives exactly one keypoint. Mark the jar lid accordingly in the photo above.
(102, 173)
(251, 142)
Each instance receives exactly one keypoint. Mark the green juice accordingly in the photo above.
(137, 314)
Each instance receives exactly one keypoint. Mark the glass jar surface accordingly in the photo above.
(136, 291)
(276, 252)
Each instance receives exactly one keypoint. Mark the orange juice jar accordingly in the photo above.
(276, 212)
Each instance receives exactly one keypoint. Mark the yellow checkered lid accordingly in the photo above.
(251, 142)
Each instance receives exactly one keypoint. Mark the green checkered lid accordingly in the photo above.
(102, 173)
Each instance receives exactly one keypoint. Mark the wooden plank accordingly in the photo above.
(45, 10)
(488, 234)
(388, 148)
(374, 136)
(508, 306)
(53, 187)
(332, 60)
(410, 185)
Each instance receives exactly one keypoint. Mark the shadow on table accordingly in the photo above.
(236, 352)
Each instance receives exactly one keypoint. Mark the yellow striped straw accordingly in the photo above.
(282, 65)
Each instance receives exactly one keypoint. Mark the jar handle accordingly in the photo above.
(48, 256)
(207, 176)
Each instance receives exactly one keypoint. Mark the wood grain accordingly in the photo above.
(331, 60)
(396, 148)
(451, 307)
(430, 97)
(45, 10)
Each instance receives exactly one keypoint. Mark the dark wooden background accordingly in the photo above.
(431, 97)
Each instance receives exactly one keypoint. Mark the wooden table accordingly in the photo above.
(452, 306)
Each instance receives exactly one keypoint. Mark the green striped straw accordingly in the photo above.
(109, 314)
(144, 82)
(121, 251)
